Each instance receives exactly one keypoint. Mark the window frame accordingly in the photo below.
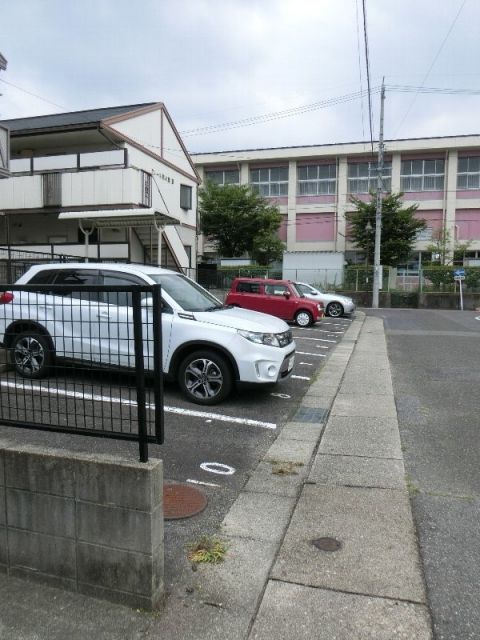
(317, 181)
(223, 172)
(266, 187)
(370, 178)
(468, 174)
(186, 197)
(421, 177)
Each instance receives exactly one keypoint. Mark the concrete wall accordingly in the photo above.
(86, 523)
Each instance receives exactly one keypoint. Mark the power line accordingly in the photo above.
(359, 66)
(367, 64)
(35, 95)
(432, 65)
(276, 115)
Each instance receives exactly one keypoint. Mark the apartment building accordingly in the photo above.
(110, 184)
(313, 186)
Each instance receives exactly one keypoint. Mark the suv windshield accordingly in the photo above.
(188, 294)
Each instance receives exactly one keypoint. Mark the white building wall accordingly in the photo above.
(144, 129)
(21, 192)
(172, 149)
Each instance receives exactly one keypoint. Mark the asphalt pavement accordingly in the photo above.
(320, 541)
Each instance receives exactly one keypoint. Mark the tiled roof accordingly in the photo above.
(65, 120)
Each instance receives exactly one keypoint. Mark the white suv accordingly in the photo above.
(206, 345)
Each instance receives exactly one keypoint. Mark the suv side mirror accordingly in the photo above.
(287, 294)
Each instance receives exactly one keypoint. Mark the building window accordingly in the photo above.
(362, 177)
(468, 176)
(146, 189)
(185, 196)
(270, 183)
(317, 180)
(422, 175)
(223, 176)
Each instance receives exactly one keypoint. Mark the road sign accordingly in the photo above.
(459, 273)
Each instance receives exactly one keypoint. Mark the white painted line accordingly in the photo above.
(205, 484)
(305, 353)
(307, 364)
(340, 333)
(285, 396)
(220, 417)
(316, 339)
(112, 400)
(300, 377)
(477, 318)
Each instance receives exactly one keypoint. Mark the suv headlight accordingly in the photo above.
(270, 339)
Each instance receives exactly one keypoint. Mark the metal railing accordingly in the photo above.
(83, 360)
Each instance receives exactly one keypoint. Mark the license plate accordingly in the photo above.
(291, 360)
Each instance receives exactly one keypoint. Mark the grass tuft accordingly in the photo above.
(207, 550)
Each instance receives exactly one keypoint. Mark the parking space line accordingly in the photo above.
(305, 353)
(205, 484)
(300, 377)
(113, 400)
(316, 339)
(218, 416)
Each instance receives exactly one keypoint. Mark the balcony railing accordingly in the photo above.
(70, 162)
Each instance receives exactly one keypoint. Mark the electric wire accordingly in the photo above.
(360, 67)
(432, 65)
(35, 95)
(367, 65)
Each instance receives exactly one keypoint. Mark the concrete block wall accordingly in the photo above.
(86, 523)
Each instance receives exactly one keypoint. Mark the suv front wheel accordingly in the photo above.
(205, 377)
(31, 354)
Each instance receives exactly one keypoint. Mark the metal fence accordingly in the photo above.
(14, 262)
(83, 360)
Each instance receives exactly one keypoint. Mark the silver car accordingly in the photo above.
(335, 304)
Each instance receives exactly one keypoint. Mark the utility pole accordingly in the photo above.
(377, 269)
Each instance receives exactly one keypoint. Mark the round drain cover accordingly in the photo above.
(182, 501)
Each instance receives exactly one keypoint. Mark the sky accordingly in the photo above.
(249, 74)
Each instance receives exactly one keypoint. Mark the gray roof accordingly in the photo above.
(73, 119)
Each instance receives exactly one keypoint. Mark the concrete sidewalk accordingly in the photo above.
(334, 475)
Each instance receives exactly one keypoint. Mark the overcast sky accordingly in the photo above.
(225, 61)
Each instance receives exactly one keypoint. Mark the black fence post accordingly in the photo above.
(158, 363)
(140, 376)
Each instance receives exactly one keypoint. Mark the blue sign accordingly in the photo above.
(459, 273)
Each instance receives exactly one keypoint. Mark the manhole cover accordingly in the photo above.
(327, 544)
(182, 501)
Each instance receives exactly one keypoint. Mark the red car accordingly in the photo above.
(279, 298)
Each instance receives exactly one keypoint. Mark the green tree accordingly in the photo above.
(267, 248)
(237, 219)
(399, 228)
(441, 248)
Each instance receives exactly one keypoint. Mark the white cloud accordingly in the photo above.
(216, 61)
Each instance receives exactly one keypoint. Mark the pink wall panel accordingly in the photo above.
(423, 195)
(472, 194)
(315, 227)
(433, 218)
(282, 232)
(467, 223)
(315, 199)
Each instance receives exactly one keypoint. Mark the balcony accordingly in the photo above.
(99, 179)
